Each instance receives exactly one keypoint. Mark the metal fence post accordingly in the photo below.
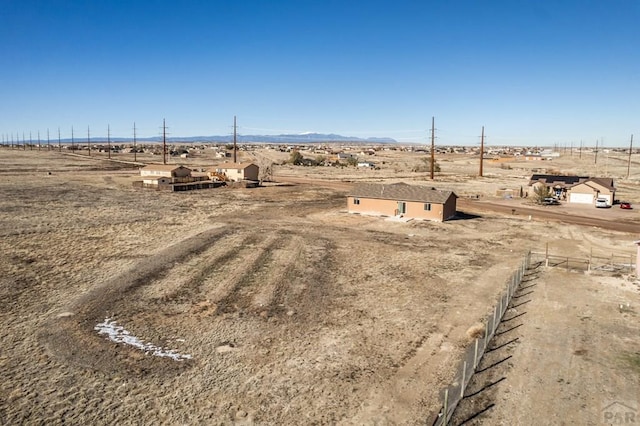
(445, 413)
(475, 355)
(464, 377)
(486, 335)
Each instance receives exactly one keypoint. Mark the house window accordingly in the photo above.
(427, 207)
(356, 201)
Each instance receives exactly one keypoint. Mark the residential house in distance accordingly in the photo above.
(237, 171)
(171, 177)
(576, 189)
(557, 183)
(165, 170)
(401, 199)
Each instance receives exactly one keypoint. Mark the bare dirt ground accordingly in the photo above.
(279, 306)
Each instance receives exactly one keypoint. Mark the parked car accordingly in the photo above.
(625, 205)
(549, 201)
(602, 203)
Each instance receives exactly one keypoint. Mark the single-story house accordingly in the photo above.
(165, 170)
(559, 184)
(238, 171)
(587, 191)
(575, 189)
(401, 199)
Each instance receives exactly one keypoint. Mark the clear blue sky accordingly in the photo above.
(531, 72)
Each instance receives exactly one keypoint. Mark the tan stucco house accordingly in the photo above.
(575, 189)
(401, 199)
(587, 192)
(239, 171)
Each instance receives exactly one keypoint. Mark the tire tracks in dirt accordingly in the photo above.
(71, 337)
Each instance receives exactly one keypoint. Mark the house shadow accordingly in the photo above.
(460, 215)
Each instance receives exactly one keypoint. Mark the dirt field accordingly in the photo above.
(274, 306)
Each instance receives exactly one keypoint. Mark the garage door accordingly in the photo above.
(581, 198)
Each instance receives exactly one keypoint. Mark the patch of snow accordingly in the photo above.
(118, 334)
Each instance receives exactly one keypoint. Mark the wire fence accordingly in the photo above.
(609, 263)
(454, 393)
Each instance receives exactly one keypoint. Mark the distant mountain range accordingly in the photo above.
(277, 139)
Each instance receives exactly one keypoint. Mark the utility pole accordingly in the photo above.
(595, 160)
(433, 158)
(30, 142)
(481, 150)
(73, 148)
(580, 151)
(48, 141)
(38, 140)
(164, 142)
(134, 142)
(109, 141)
(629, 162)
(571, 150)
(89, 140)
(59, 141)
(235, 158)
(24, 143)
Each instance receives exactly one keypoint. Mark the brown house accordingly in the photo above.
(401, 199)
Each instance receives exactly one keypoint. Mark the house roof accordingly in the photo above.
(557, 180)
(401, 192)
(606, 182)
(163, 167)
(569, 181)
(234, 165)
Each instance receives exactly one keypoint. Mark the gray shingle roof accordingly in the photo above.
(401, 192)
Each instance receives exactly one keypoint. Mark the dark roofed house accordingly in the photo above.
(557, 181)
(401, 199)
(576, 189)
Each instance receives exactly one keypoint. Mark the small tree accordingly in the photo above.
(266, 172)
(540, 192)
(296, 158)
(425, 166)
(352, 161)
